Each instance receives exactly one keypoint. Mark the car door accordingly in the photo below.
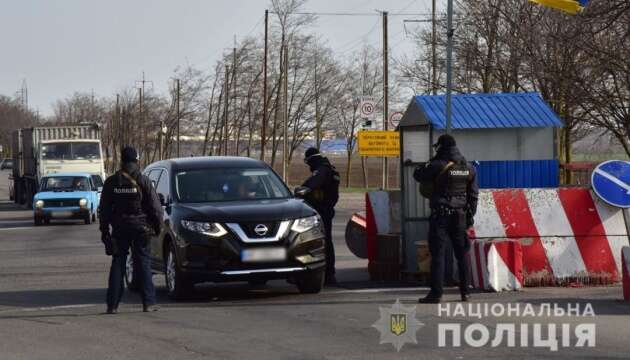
(154, 176)
(163, 192)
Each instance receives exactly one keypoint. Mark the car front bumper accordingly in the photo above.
(220, 260)
(73, 212)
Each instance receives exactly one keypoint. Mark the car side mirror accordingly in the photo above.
(163, 201)
(99, 189)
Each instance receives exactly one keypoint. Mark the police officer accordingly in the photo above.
(453, 203)
(130, 205)
(324, 186)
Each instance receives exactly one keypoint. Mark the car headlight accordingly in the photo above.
(39, 204)
(305, 224)
(83, 202)
(206, 228)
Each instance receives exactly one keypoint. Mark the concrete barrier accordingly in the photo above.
(356, 235)
(625, 257)
(496, 265)
(567, 235)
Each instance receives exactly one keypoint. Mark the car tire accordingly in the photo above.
(311, 283)
(38, 220)
(87, 219)
(178, 286)
(130, 280)
(47, 221)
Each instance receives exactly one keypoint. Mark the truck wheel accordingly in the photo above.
(311, 283)
(179, 287)
(38, 220)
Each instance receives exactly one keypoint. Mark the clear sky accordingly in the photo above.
(63, 46)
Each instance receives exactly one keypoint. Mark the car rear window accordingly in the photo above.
(229, 184)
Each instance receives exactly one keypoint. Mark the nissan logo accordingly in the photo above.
(261, 230)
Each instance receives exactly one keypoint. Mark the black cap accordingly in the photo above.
(129, 154)
(310, 152)
(445, 141)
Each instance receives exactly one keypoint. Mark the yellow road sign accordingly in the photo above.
(379, 143)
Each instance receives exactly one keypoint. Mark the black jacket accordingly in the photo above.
(324, 183)
(431, 171)
(151, 213)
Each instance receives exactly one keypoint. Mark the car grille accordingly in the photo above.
(249, 229)
(61, 203)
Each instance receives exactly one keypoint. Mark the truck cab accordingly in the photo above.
(62, 156)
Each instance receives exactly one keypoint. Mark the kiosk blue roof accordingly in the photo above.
(482, 111)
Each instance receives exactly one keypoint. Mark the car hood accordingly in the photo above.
(61, 195)
(245, 211)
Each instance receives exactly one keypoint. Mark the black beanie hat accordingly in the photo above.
(310, 152)
(446, 141)
(129, 154)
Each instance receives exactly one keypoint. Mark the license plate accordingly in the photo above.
(61, 214)
(262, 255)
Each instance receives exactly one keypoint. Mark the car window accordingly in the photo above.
(154, 176)
(65, 183)
(97, 181)
(162, 185)
(229, 184)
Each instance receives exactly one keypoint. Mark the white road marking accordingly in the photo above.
(18, 228)
(49, 308)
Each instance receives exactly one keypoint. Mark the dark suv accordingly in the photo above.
(232, 219)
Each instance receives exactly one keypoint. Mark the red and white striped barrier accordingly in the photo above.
(567, 235)
(496, 265)
(625, 257)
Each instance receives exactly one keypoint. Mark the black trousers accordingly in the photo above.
(327, 216)
(139, 244)
(448, 227)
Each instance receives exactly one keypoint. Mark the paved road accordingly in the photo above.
(52, 285)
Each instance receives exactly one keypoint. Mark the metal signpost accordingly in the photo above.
(611, 182)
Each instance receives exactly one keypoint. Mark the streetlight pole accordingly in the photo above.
(449, 68)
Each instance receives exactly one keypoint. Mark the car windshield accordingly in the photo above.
(71, 151)
(65, 183)
(229, 184)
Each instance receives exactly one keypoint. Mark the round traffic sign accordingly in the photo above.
(394, 119)
(611, 182)
(367, 108)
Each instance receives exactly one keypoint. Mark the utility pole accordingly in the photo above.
(318, 122)
(225, 109)
(264, 116)
(449, 68)
(434, 82)
(141, 93)
(285, 117)
(385, 183)
(177, 114)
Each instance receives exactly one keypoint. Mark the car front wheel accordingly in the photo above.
(179, 287)
(38, 220)
(130, 279)
(311, 283)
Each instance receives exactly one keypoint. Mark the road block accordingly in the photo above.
(567, 235)
(496, 265)
(625, 257)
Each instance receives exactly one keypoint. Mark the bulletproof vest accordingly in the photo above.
(457, 178)
(127, 196)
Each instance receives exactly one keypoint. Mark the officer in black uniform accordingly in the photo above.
(453, 205)
(130, 205)
(324, 194)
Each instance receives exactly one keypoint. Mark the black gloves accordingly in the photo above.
(110, 244)
(470, 219)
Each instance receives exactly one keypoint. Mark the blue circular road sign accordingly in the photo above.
(611, 182)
